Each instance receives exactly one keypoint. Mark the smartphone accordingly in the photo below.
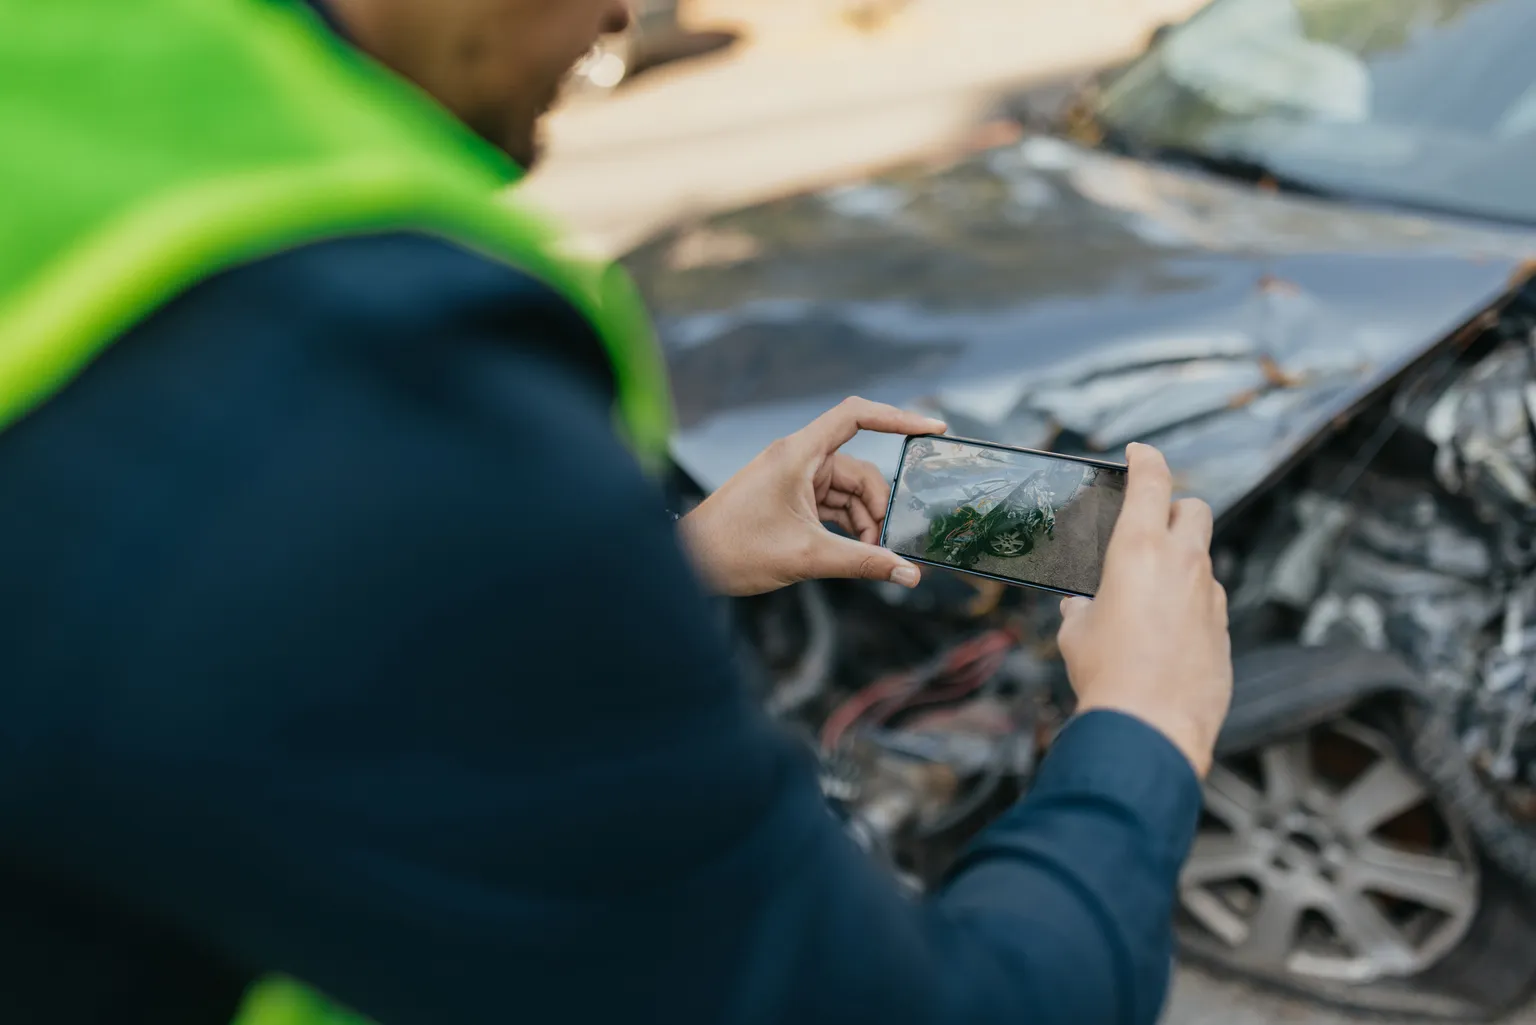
(1030, 518)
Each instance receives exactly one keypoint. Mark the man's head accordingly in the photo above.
(497, 64)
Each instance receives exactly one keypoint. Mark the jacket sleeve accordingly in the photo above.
(424, 707)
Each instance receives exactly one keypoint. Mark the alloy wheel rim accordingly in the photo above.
(1296, 873)
(1010, 543)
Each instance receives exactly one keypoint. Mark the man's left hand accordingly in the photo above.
(763, 529)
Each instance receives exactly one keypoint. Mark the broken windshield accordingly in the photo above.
(1427, 103)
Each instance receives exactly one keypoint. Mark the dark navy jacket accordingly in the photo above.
(339, 637)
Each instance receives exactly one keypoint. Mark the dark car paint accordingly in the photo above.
(1052, 296)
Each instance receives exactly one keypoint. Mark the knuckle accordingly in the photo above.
(1196, 508)
(1153, 459)
(1197, 561)
(1066, 638)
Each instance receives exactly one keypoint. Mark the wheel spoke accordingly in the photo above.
(1272, 930)
(1218, 858)
(1287, 771)
(1437, 883)
(1230, 799)
(1362, 925)
(1383, 792)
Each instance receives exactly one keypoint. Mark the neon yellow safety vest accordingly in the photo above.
(146, 144)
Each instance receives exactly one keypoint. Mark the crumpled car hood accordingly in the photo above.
(1057, 297)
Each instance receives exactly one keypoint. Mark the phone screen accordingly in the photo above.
(1023, 517)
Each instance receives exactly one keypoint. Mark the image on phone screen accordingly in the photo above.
(1027, 518)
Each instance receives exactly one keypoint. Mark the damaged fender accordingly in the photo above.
(1286, 689)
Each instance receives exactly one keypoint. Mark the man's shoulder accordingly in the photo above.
(289, 401)
(365, 296)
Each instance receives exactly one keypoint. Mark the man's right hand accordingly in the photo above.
(1154, 643)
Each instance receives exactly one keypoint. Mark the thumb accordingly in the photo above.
(841, 557)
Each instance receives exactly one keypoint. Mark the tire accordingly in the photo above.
(1456, 952)
(1491, 972)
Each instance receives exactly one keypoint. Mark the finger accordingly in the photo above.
(835, 499)
(864, 524)
(836, 427)
(1073, 621)
(849, 513)
(1193, 523)
(839, 516)
(1148, 492)
(1073, 607)
(843, 558)
(867, 490)
(863, 480)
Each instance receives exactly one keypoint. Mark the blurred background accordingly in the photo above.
(1396, 134)
(782, 95)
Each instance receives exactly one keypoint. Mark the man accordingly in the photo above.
(347, 642)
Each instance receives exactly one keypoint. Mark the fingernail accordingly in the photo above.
(906, 576)
(939, 426)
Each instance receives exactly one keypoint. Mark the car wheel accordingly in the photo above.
(1009, 544)
(1324, 865)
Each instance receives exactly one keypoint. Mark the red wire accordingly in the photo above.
(849, 712)
(966, 667)
(974, 680)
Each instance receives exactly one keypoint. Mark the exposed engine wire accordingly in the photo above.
(961, 670)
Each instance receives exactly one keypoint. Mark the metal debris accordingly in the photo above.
(1297, 574)
(1191, 391)
(1444, 575)
(1483, 427)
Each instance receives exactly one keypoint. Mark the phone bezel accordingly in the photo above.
(890, 504)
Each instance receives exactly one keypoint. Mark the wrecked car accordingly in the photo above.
(1289, 246)
(1005, 520)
